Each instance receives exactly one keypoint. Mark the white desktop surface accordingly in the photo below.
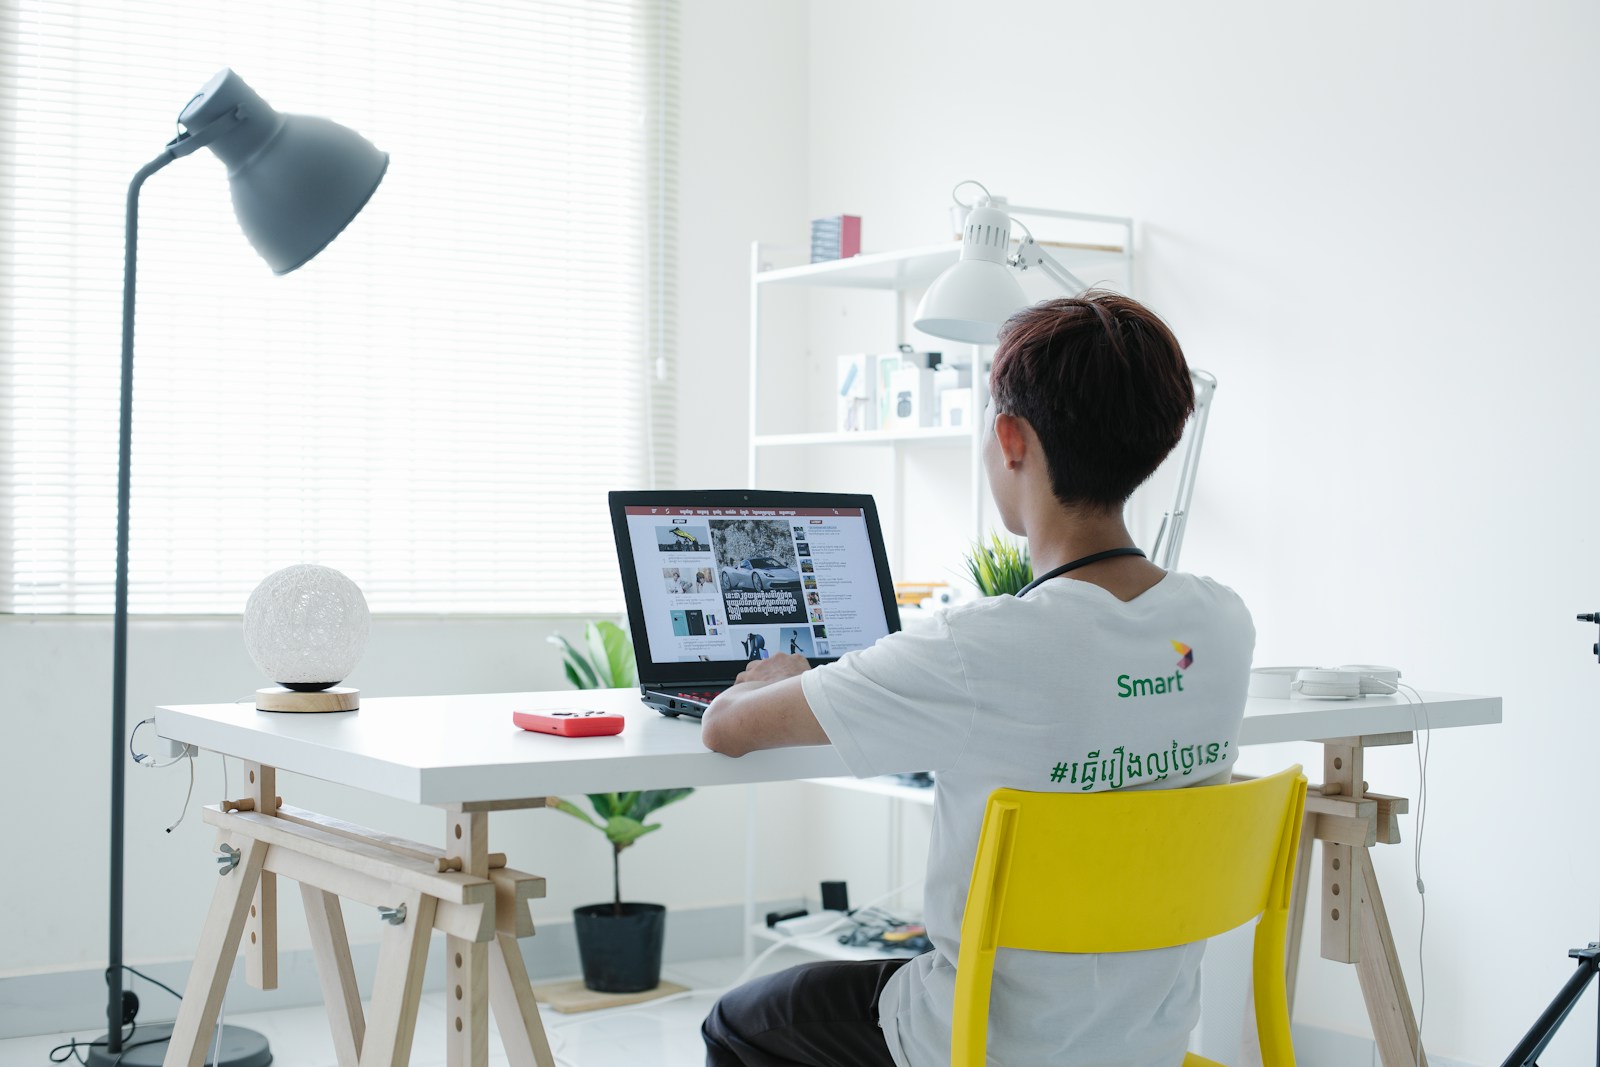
(456, 749)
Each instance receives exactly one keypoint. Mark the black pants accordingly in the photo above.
(813, 1015)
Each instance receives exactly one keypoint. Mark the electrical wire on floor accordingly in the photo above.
(846, 919)
(69, 1051)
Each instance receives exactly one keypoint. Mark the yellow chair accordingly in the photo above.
(1190, 864)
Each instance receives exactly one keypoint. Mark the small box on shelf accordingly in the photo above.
(955, 407)
(835, 237)
(856, 395)
(911, 403)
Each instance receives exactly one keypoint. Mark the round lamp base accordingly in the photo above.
(339, 698)
(148, 1048)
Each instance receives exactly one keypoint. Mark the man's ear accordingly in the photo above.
(1009, 431)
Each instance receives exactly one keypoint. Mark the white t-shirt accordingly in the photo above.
(1065, 689)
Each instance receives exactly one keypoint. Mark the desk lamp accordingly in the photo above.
(971, 300)
(297, 181)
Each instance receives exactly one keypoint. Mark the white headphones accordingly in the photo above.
(1326, 683)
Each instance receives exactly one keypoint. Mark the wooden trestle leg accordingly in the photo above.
(1350, 820)
(213, 959)
(336, 970)
(463, 890)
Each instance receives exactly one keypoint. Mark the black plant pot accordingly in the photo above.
(620, 953)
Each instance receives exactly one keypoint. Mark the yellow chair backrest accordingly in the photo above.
(1124, 872)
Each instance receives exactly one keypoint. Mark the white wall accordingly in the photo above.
(742, 178)
(1375, 223)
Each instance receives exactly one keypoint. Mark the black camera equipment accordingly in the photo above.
(1526, 1054)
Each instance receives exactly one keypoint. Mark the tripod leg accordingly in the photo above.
(1538, 1036)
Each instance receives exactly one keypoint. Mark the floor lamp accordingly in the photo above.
(972, 299)
(297, 181)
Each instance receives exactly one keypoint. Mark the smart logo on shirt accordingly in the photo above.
(1129, 686)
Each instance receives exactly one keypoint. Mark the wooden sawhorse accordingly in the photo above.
(463, 890)
(1349, 820)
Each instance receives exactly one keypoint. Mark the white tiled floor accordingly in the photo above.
(664, 1033)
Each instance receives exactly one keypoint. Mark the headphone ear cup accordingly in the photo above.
(1326, 683)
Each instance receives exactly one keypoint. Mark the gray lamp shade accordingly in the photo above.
(297, 180)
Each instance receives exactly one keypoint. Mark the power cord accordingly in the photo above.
(144, 759)
(1424, 749)
(141, 757)
(186, 797)
(69, 1051)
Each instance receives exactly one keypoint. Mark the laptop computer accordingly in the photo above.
(716, 578)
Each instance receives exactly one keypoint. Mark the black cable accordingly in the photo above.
(152, 981)
(62, 1053)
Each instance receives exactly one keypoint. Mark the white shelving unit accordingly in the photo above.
(902, 275)
(826, 945)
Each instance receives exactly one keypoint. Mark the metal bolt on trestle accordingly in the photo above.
(392, 916)
(228, 860)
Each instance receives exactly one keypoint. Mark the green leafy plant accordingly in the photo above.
(622, 820)
(1001, 566)
(606, 662)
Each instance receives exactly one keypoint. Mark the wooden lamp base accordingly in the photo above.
(339, 698)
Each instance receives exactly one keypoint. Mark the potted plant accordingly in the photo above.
(1001, 566)
(619, 943)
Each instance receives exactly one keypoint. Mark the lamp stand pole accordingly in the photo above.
(150, 1050)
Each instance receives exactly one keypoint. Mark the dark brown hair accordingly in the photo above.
(1102, 381)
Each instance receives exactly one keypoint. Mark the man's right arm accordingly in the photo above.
(765, 708)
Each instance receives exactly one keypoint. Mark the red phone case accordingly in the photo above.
(570, 722)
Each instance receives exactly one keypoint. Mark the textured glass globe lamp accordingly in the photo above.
(306, 627)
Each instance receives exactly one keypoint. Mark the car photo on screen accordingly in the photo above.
(759, 573)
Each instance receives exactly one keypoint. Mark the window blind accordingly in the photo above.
(437, 404)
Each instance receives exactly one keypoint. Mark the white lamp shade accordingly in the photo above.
(306, 626)
(969, 302)
(972, 299)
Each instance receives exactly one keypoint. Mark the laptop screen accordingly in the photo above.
(716, 579)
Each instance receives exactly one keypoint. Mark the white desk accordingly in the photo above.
(464, 755)
(458, 749)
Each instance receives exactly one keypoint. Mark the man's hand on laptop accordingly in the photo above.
(765, 708)
(779, 665)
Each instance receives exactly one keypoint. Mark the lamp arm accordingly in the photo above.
(119, 630)
(1169, 538)
(1030, 254)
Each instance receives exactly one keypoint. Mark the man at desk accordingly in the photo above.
(1105, 673)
